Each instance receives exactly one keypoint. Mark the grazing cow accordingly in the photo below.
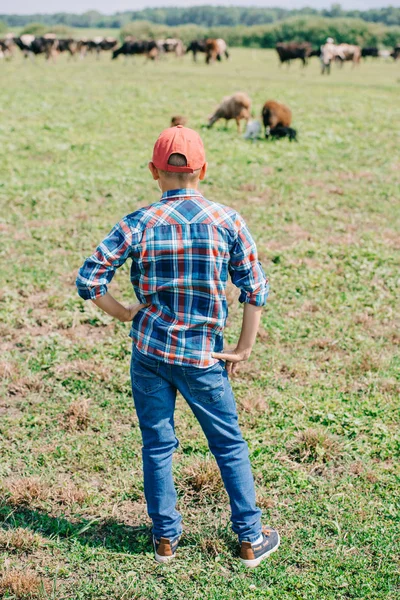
(277, 119)
(31, 46)
(293, 51)
(98, 44)
(341, 53)
(235, 107)
(68, 45)
(370, 51)
(178, 120)
(171, 45)
(350, 52)
(396, 53)
(196, 46)
(147, 47)
(7, 46)
(222, 48)
(215, 48)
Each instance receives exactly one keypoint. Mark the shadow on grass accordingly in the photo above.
(104, 533)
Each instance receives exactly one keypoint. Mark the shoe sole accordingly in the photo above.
(163, 559)
(251, 564)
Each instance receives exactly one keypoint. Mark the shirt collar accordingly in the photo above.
(180, 193)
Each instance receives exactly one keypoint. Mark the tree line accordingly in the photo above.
(310, 29)
(204, 16)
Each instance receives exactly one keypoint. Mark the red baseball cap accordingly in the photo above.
(179, 140)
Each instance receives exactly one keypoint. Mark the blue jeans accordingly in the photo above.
(209, 395)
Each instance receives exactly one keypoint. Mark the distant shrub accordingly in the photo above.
(35, 29)
(391, 36)
(146, 30)
(61, 30)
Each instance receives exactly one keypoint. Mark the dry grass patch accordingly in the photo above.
(20, 540)
(314, 446)
(26, 385)
(69, 494)
(25, 490)
(83, 368)
(24, 585)
(201, 479)
(77, 415)
(253, 403)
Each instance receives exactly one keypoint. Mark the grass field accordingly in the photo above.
(318, 400)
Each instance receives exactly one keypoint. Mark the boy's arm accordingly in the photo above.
(247, 274)
(99, 269)
(117, 310)
(250, 324)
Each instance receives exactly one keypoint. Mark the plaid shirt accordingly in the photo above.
(182, 248)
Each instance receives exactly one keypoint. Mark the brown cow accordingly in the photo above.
(214, 49)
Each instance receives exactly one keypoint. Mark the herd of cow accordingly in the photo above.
(331, 52)
(51, 46)
(214, 49)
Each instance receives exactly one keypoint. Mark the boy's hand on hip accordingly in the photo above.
(232, 358)
(131, 311)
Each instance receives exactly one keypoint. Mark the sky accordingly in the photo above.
(112, 6)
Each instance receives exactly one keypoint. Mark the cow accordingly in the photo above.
(215, 48)
(7, 46)
(340, 52)
(235, 107)
(348, 52)
(370, 51)
(129, 48)
(68, 45)
(99, 44)
(170, 45)
(196, 46)
(396, 53)
(32, 46)
(292, 51)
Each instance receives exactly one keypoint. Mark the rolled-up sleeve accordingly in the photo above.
(98, 270)
(246, 271)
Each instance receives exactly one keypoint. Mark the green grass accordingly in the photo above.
(318, 400)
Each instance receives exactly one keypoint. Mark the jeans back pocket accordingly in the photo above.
(143, 378)
(205, 385)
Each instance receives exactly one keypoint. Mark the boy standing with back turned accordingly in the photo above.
(182, 248)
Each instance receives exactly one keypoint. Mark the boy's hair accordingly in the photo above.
(179, 160)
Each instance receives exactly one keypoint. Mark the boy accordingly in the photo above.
(182, 249)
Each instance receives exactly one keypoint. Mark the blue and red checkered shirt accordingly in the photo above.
(182, 248)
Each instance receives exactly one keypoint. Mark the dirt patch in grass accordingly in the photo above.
(23, 585)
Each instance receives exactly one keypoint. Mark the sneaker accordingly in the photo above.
(252, 554)
(164, 549)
